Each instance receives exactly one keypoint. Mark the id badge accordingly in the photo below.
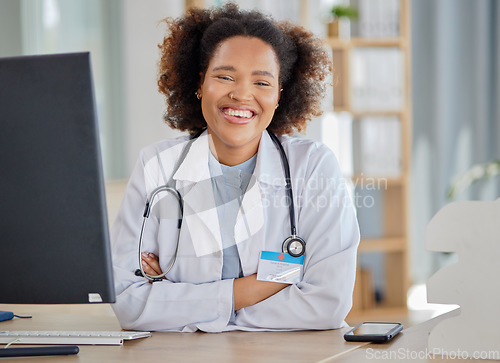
(280, 267)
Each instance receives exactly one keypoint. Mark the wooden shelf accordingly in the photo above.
(337, 43)
(357, 114)
(362, 180)
(387, 244)
(393, 189)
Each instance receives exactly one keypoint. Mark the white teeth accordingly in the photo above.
(238, 113)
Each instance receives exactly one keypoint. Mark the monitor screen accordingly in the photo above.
(54, 238)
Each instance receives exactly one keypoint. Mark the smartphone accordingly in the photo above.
(373, 332)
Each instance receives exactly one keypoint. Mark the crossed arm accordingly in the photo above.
(247, 290)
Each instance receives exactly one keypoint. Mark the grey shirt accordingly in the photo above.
(229, 186)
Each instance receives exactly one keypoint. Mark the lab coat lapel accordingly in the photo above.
(267, 179)
(269, 168)
(193, 180)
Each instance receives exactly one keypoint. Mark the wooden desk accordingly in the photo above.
(303, 346)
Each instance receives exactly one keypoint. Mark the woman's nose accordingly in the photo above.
(241, 92)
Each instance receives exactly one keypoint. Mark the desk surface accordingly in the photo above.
(303, 346)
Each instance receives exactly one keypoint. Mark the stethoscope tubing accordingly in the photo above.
(288, 181)
(147, 211)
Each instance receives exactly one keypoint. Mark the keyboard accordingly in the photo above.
(70, 337)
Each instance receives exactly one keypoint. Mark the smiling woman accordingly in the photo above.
(231, 257)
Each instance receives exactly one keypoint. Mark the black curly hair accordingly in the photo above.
(192, 40)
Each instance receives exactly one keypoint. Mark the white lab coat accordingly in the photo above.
(194, 296)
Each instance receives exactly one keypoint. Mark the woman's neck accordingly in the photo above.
(230, 155)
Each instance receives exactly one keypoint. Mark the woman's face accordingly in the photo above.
(239, 94)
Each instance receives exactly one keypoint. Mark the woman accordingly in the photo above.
(234, 78)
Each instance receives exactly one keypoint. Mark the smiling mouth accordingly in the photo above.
(243, 114)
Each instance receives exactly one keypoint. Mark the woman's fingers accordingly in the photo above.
(151, 264)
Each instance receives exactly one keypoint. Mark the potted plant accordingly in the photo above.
(476, 173)
(341, 14)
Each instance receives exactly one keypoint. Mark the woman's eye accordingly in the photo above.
(225, 78)
(262, 84)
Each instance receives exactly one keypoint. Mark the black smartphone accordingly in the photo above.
(373, 332)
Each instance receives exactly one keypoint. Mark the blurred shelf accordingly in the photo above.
(387, 244)
(369, 113)
(381, 181)
(337, 43)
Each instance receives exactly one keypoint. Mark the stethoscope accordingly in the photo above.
(294, 245)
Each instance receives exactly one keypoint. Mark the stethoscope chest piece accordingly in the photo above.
(294, 246)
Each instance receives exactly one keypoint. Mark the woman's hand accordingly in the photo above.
(249, 291)
(151, 264)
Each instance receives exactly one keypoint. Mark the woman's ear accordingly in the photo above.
(200, 84)
(279, 97)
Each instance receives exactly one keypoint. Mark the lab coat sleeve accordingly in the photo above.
(161, 306)
(327, 221)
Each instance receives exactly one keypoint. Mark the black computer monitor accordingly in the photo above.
(54, 238)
